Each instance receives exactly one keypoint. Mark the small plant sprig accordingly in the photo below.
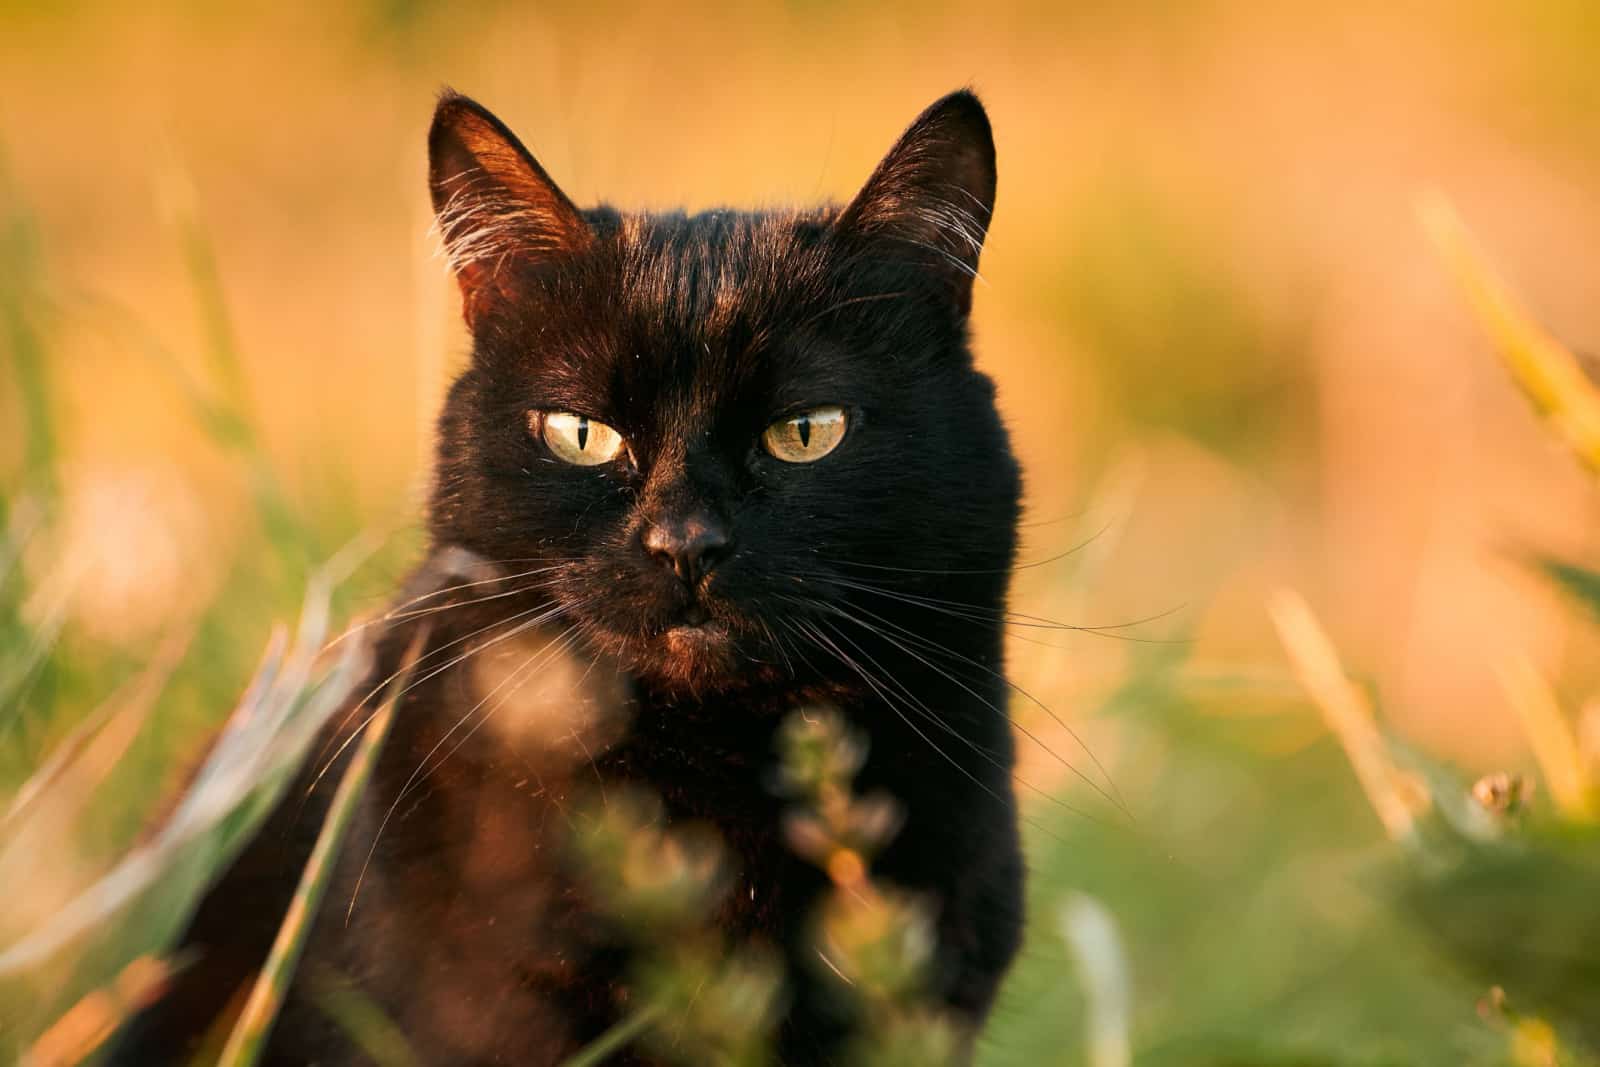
(699, 1000)
(649, 878)
(876, 942)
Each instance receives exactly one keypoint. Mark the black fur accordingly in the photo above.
(689, 335)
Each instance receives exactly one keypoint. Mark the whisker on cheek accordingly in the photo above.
(423, 769)
(329, 761)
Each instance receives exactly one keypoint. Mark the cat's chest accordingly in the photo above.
(490, 776)
(725, 778)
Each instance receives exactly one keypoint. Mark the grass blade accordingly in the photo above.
(87, 754)
(1345, 708)
(249, 1035)
(76, 1035)
(1551, 736)
(1548, 372)
(362, 1021)
(1090, 932)
(263, 740)
(1579, 583)
(23, 339)
(616, 1038)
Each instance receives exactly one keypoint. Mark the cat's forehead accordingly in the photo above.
(681, 321)
(719, 271)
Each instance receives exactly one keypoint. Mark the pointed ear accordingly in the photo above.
(496, 207)
(934, 192)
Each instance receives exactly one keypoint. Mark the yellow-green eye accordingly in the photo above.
(579, 439)
(806, 437)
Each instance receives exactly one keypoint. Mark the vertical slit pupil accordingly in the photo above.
(803, 425)
(583, 432)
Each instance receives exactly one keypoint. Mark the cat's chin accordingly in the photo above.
(693, 636)
(700, 658)
(694, 656)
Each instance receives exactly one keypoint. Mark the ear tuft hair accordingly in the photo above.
(496, 207)
(934, 191)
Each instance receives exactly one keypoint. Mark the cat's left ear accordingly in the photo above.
(496, 207)
(933, 193)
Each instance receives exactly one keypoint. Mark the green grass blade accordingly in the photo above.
(66, 774)
(362, 1020)
(616, 1038)
(231, 416)
(1580, 583)
(252, 759)
(249, 1036)
(21, 338)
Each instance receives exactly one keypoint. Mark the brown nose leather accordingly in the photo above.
(691, 546)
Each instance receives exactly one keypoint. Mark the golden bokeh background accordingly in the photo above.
(1221, 339)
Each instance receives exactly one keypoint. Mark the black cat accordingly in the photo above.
(702, 470)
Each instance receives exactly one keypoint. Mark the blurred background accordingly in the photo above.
(1229, 357)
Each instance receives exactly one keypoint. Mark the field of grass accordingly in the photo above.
(1239, 360)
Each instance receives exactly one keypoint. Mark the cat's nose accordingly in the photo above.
(691, 546)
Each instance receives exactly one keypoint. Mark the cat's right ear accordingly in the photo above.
(496, 208)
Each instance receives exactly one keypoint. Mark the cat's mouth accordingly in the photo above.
(696, 633)
(695, 650)
(690, 640)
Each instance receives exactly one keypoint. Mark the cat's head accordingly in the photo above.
(702, 438)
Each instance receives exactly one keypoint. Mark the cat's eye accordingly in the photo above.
(806, 437)
(577, 439)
